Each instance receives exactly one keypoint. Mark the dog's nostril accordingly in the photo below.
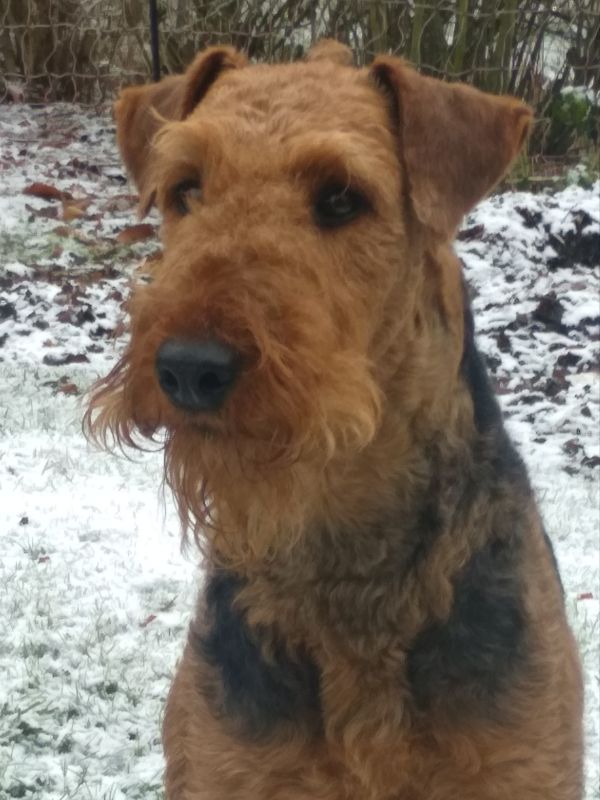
(168, 380)
(209, 382)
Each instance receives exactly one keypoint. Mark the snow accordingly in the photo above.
(95, 594)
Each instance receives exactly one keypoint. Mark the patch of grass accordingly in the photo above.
(65, 745)
(33, 550)
(26, 245)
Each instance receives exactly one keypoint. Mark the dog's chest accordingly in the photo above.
(264, 682)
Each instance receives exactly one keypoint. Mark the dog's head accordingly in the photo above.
(308, 308)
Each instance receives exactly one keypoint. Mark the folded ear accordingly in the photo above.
(190, 88)
(139, 112)
(455, 141)
(204, 71)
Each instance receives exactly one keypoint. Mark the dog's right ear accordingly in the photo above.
(191, 88)
(140, 111)
(204, 71)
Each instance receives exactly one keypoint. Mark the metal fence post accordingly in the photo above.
(154, 40)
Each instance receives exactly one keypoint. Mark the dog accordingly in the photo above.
(382, 617)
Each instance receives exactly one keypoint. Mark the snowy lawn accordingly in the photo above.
(94, 593)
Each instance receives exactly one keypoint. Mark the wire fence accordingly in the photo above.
(84, 50)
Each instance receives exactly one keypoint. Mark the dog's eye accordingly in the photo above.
(184, 193)
(337, 205)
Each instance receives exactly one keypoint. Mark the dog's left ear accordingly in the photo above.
(456, 142)
(204, 71)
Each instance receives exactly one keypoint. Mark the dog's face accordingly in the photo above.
(283, 239)
(301, 299)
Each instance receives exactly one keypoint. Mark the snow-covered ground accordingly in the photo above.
(94, 593)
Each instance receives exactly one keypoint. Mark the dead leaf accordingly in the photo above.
(136, 233)
(46, 192)
(63, 230)
(68, 389)
(72, 211)
(572, 447)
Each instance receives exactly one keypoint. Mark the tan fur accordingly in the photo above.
(350, 407)
(331, 50)
(139, 112)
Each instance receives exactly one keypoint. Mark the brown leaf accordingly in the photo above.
(63, 231)
(72, 211)
(46, 192)
(136, 233)
(68, 389)
(571, 447)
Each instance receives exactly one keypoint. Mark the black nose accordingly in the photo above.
(196, 375)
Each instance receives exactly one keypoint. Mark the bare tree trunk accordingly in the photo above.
(183, 14)
(434, 47)
(417, 34)
(33, 32)
(590, 47)
(378, 25)
(9, 51)
(461, 27)
(501, 55)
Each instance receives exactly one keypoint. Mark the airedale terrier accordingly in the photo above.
(382, 617)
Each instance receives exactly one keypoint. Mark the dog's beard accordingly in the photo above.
(250, 477)
(251, 482)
